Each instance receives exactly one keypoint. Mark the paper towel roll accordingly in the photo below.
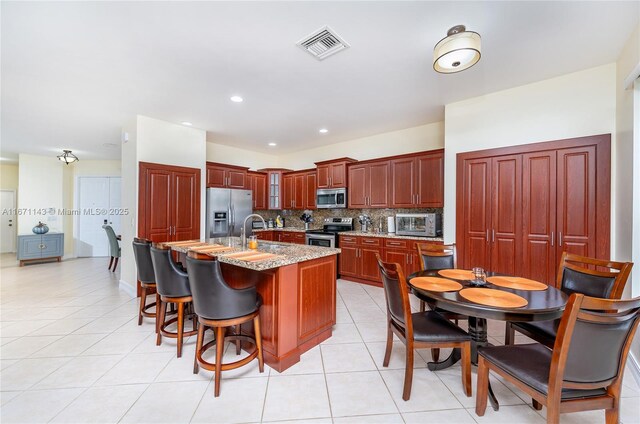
(391, 224)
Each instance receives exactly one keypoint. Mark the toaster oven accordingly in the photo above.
(419, 224)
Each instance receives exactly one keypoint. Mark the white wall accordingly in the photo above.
(156, 141)
(409, 140)
(39, 187)
(573, 105)
(9, 177)
(240, 157)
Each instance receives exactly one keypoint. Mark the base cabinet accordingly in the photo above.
(358, 258)
(38, 247)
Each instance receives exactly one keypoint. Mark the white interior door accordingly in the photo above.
(7, 221)
(93, 198)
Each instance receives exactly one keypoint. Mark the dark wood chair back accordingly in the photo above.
(396, 293)
(593, 341)
(592, 277)
(437, 256)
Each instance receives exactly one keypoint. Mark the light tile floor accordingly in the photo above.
(72, 352)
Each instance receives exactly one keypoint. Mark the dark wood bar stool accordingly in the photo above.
(219, 307)
(147, 279)
(172, 285)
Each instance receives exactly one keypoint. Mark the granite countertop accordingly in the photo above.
(288, 253)
(292, 229)
(387, 235)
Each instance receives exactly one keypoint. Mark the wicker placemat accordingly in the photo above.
(211, 248)
(457, 274)
(251, 256)
(435, 284)
(517, 283)
(184, 243)
(493, 297)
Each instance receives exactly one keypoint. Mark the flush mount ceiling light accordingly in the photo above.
(68, 157)
(323, 131)
(272, 144)
(458, 51)
(236, 99)
(188, 124)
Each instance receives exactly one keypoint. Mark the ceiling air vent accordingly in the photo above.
(323, 43)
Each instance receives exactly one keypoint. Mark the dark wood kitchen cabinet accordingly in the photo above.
(369, 185)
(299, 190)
(168, 202)
(417, 180)
(519, 208)
(333, 173)
(226, 176)
(274, 187)
(358, 258)
(257, 183)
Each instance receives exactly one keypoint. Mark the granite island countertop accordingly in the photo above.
(292, 229)
(287, 253)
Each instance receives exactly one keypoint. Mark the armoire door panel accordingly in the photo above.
(539, 216)
(477, 213)
(158, 207)
(186, 206)
(576, 197)
(506, 213)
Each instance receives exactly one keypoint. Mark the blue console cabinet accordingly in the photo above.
(37, 247)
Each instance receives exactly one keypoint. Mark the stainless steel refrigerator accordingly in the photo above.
(226, 211)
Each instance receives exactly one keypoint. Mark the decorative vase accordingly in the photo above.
(41, 228)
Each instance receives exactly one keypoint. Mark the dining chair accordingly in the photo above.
(583, 371)
(220, 307)
(434, 257)
(114, 247)
(147, 280)
(576, 274)
(418, 330)
(172, 284)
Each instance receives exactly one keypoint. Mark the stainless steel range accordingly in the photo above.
(328, 236)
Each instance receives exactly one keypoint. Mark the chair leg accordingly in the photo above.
(408, 372)
(115, 265)
(238, 342)
(611, 416)
(509, 334)
(466, 369)
(199, 343)
(258, 335)
(536, 405)
(110, 263)
(219, 352)
(482, 388)
(160, 321)
(435, 354)
(180, 327)
(143, 301)
(194, 317)
(387, 353)
(423, 306)
(157, 312)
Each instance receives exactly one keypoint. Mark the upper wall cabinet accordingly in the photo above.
(417, 181)
(369, 185)
(333, 173)
(299, 190)
(226, 176)
(257, 183)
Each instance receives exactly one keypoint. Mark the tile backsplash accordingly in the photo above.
(292, 217)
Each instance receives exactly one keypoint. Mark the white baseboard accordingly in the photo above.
(634, 367)
(127, 288)
(70, 256)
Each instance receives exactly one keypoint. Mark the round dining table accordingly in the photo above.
(542, 305)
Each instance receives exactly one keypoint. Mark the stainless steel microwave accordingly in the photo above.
(331, 198)
(419, 224)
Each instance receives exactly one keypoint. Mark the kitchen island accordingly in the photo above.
(298, 288)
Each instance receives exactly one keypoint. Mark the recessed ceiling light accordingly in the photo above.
(323, 131)
(188, 124)
(272, 144)
(236, 99)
